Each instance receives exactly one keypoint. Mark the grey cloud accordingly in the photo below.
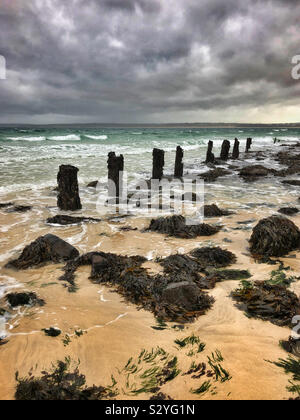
(111, 60)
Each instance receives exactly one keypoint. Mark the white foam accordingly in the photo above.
(70, 137)
(96, 137)
(9, 283)
(41, 138)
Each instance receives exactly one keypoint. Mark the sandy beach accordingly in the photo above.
(115, 331)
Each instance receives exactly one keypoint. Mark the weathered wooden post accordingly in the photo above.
(158, 164)
(68, 192)
(178, 173)
(210, 157)
(225, 150)
(248, 145)
(236, 149)
(115, 165)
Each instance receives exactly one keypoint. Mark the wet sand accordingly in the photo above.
(116, 330)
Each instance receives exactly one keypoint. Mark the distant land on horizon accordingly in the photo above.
(151, 125)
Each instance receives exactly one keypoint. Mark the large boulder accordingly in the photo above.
(274, 237)
(188, 296)
(48, 248)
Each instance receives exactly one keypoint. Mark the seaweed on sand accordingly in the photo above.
(63, 382)
(177, 227)
(274, 303)
(291, 366)
(170, 297)
(149, 371)
(198, 260)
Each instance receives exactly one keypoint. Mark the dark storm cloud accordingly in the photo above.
(148, 60)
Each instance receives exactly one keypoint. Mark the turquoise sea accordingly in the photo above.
(29, 158)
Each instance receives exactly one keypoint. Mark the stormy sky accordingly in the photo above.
(149, 61)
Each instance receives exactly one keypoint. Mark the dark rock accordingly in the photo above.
(68, 191)
(236, 149)
(271, 303)
(127, 229)
(213, 257)
(292, 346)
(255, 171)
(210, 157)
(115, 165)
(176, 226)
(92, 184)
(70, 220)
(178, 173)
(295, 183)
(248, 144)
(225, 150)
(214, 211)
(275, 236)
(2, 312)
(158, 164)
(52, 332)
(288, 211)
(4, 205)
(21, 299)
(214, 174)
(19, 209)
(48, 248)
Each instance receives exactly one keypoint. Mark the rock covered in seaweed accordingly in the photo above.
(212, 210)
(198, 260)
(274, 236)
(213, 257)
(188, 297)
(274, 303)
(176, 226)
(48, 248)
(255, 171)
(214, 174)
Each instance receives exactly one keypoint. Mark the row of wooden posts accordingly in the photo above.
(67, 178)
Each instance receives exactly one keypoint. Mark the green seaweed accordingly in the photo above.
(202, 389)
